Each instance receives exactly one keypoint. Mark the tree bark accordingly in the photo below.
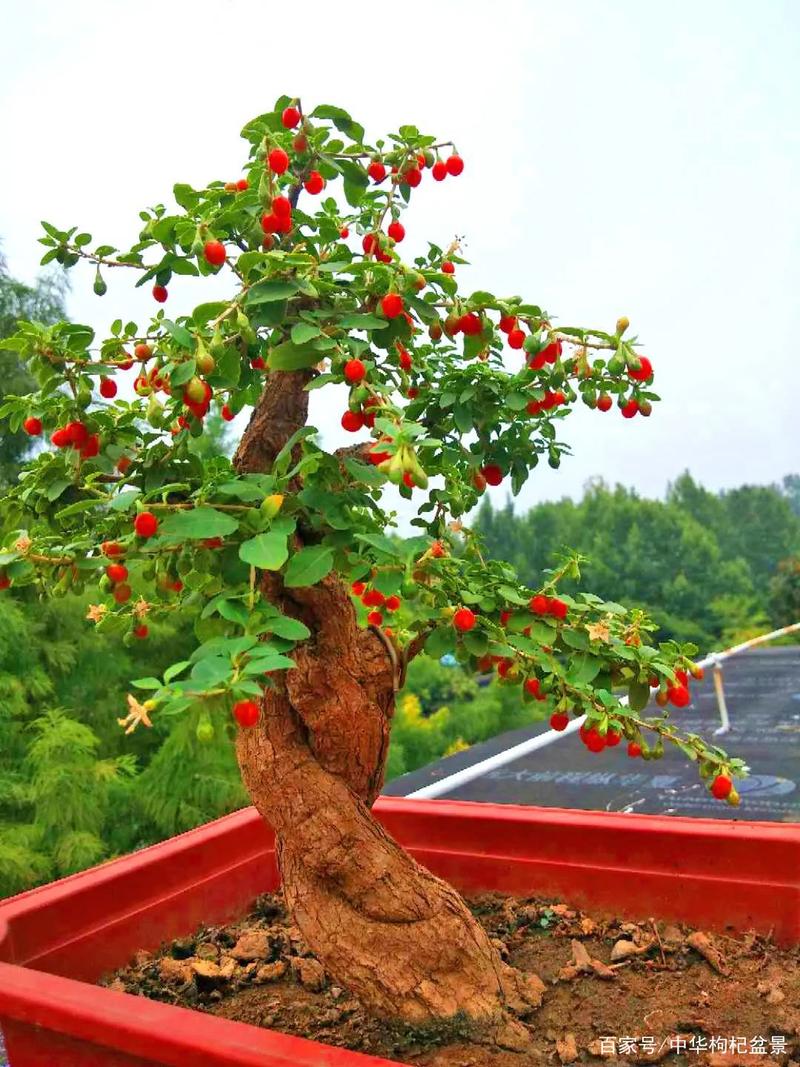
(382, 926)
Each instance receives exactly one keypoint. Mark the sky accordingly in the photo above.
(621, 158)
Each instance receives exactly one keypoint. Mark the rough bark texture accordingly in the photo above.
(382, 925)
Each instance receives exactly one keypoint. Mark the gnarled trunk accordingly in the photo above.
(382, 926)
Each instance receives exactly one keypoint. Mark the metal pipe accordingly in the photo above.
(500, 759)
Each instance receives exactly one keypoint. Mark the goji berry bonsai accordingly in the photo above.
(309, 605)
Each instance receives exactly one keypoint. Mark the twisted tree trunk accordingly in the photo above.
(383, 927)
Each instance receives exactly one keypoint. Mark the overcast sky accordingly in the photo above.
(621, 157)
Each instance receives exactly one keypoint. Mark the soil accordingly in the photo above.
(617, 992)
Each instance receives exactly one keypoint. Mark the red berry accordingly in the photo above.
(77, 434)
(357, 588)
(392, 603)
(376, 458)
(300, 143)
(227, 414)
(352, 421)
(504, 666)
(373, 599)
(32, 426)
(60, 438)
(507, 323)
(374, 618)
(354, 371)
(539, 604)
(406, 362)
(721, 787)
(532, 687)
(408, 481)
(117, 572)
(644, 372)
(214, 251)
(108, 388)
(679, 695)
(455, 165)
(145, 524)
(412, 393)
(448, 268)
(123, 463)
(314, 183)
(122, 593)
(534, 407)
(594, 740)
(369, 243)
(516, 338)
(160, 293)
(246, 712)
(470, 324)
(278, 161)
(412, 177)
(613, 738)
(492, 473)
(270, 223)
(140, 631)
(392, 305)
(143, 351)
(630, 409)
(682, 677)
(604, 402)
(344, 232)
(376, 170)
(634, 749)
(505, 617)
(464, 620)
(559, 720)
(551, 352)
(92, 447)
(281, 207)
(439, 170)
(290, 117)
(557, 608)
(5, 581)
(110, 549)
(258, 363)
(438, 550)
(242, 184)
(396, 231)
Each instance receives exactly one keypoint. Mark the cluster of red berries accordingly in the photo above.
(549, 401)
(353, 421)
(278, 220)
(374, 599)
(412, 171)
(546, 605)
(596, 741)
(549, 354)
(678, 694)
(237, 187)
(76, 435)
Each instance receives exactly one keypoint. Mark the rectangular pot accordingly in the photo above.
(57, 940)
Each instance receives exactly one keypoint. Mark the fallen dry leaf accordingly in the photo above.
(623, 950)
(701, 943)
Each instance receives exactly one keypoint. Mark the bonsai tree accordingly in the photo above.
(309, 604)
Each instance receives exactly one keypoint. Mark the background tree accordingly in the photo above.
(43, 302)
(308, 613)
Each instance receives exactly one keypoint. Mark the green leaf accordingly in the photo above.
(341, 120)
(274, 661)
(269, 551)
(383, 544)
(125, 500)
(267, 291)
(174, 670)
(179, 334)
(638, 695)
(182, 373)
(584, 669)
(196, 524)
(146, 683)
(304, 331)
(356, 321)
(286, 626)
(56, 488)
(289, 356)
(309, 566)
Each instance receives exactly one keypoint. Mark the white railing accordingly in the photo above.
(477, 770)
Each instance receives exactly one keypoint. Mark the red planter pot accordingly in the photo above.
(56, 940)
